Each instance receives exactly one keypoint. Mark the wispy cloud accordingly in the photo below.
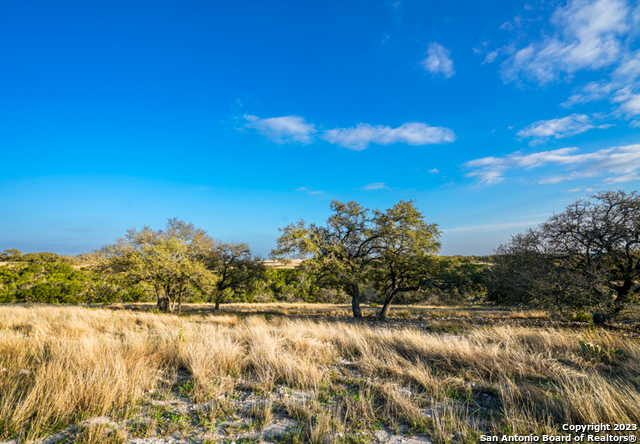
(620, 163)
(621, 179)
(434, 171)
(631, 104)
(591, 92)
(285, 129)
(587, 36)
(517, 23)
(491, 57)
(375, 186)
(310, 193)
(289, 129)
(557, 128)
(622, 87)
(413, 133)
(438, 61)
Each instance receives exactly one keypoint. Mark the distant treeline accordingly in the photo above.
(58, 279)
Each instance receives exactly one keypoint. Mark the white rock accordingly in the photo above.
(278, 428)
(388, 437)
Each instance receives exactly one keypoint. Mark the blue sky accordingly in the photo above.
(245, 116)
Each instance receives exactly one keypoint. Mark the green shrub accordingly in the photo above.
(581, 317)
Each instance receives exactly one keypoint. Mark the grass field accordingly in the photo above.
(292, 374)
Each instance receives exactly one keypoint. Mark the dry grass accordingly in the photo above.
(65, 364)
(306, 309)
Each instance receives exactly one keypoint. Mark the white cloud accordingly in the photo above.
(588, 35)
(620, 163)
(622, 86)
(301, 189)
(629, 67)
(507, 26)
(434, 171)
(490, 57)
(438, 61)
(375, 186)
(557, 128)
(585, 35)
(621, 179)
(289, 129)
(313, 193)
(591, 92)
(632, 105)
(285, 129)
(412, 133)
(517, 23)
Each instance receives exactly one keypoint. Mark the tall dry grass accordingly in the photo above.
(63, 364)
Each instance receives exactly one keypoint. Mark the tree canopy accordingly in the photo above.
(403, 245)
(339, 252)
(586, 257)
(169, 260)
(358, 245)
(234, 267)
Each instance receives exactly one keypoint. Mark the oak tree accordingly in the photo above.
(404, 242)
(339, 253)
(234, 267)
(170, 260)
(586, 257)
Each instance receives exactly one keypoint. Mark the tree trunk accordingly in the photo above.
(392, 294)
(355, 300)
(180, 301)
(164, 304)
(386, 307)
(171, 298)
(163, 301)
(622, 296)
(218, 299)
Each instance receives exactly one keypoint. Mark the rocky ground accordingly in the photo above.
(241, 417)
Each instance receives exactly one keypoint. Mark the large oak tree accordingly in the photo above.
(403, 245)
(170, 260)
(358, 246)
(234, 267)
(586, 257)
(339, 253)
